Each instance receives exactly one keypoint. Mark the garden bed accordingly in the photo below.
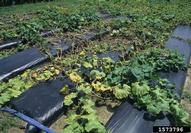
(118, 65)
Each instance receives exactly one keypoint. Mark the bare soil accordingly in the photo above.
(187, 89)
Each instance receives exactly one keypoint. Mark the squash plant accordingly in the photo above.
(30, 32)
(102, 78)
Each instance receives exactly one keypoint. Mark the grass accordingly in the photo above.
(33, 7)
(7, 122)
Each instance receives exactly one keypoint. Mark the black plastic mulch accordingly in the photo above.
(19, 62)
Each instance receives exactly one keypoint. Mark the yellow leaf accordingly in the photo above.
(64, 89)
(75, 77)
(98, 86)
(57, 71)
(87, 65)
(82, 53)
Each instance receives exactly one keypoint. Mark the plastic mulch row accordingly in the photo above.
(9, 43)
(183, 32)
(14, 42)
(21, 61)
(44, 102)
(128, 119)
(94, 34)
(14, 64)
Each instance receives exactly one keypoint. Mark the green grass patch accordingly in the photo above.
(33, 7)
